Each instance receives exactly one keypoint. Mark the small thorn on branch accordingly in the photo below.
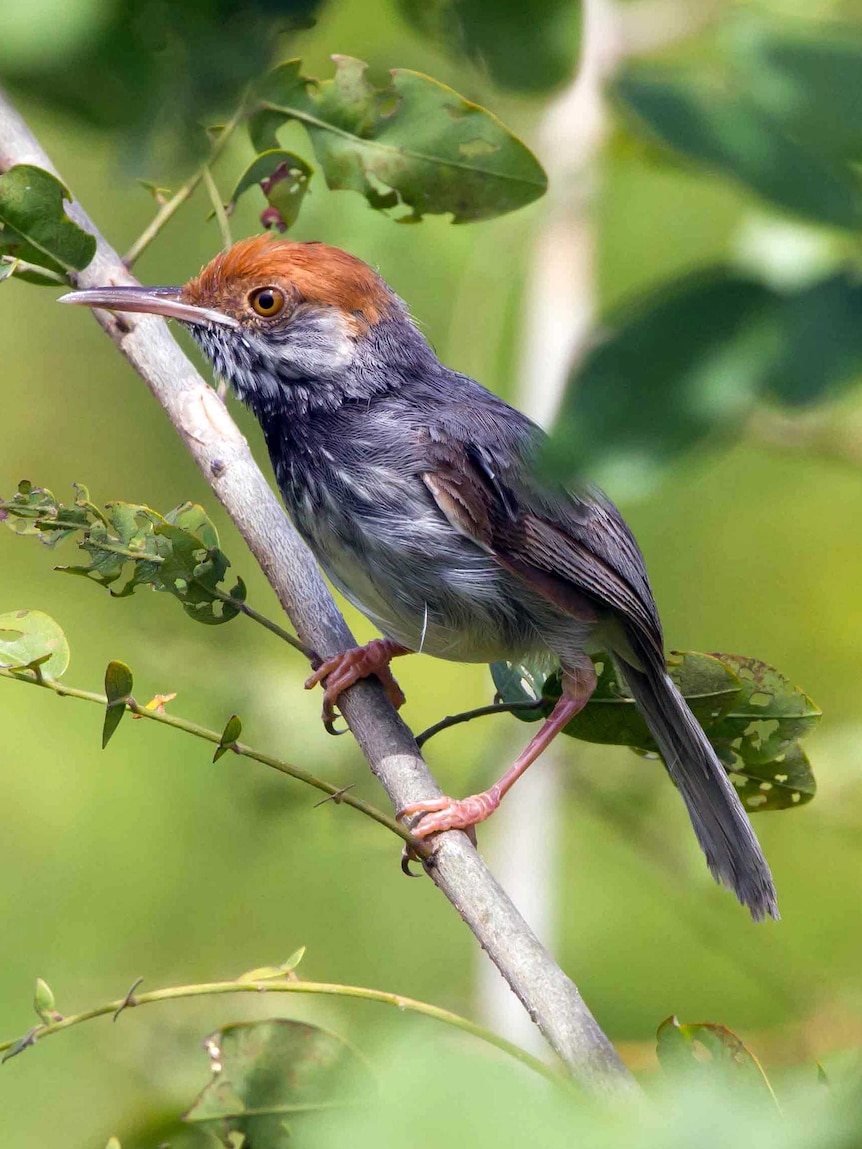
(129, 1001)
(336, 797)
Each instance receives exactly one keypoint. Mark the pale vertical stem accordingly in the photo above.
(525, 834)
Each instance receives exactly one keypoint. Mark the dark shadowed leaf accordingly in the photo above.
(712, 1051)
(283, 179)
(812, 85)
(519, 682)
(118, 689)
(31, 638)
(415, 143)
(686, 360)
(721, 126)
(34, 225)
(268, 1074)
(528, 47)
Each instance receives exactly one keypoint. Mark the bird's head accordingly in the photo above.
(288, 324)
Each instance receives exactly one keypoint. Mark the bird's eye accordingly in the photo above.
(267, 301)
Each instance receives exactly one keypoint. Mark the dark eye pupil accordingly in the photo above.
(266, 300)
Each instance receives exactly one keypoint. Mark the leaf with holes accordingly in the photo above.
(268, 1074)
(707, 1050)
(283, 178)
(32, 639)
(415, 143)
(34, 225)
(519, 682)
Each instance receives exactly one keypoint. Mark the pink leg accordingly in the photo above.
(342, 670)
(448, 814)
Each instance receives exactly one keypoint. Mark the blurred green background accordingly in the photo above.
(148, 860)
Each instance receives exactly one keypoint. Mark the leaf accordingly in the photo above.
(719, 124)
(415, 142)
(230, 734)
(692, 359)
(269, 1072)
(269, 972)
(529, 47)
(34, 223)
(753, 716)
(118, 689)
(685, 361)
(44, 1004)
(519, 682)
(132, 545)
(709, 1050)
(31, 639)
(283, 178)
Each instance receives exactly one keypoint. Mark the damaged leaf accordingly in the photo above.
(415, 143)
(283, 178)
(32, 640)
(34, 225)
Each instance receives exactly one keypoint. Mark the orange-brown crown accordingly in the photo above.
(306, 272)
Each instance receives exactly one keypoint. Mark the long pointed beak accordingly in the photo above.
(164, 301)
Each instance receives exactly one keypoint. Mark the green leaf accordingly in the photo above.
(692, 359)
(721, 126)
(753, 716)
(269, 972)
(283, 178)
(31, 639)
(804, 81)
(132, 545)
(269, 1073)
(415, 143)
(708, 1051)
(529, 47)
(519, 682)
(33, 222)
(44, 1004)
(118, 689)
(230, 734)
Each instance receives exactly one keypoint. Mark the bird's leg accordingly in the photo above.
(448, 814)
(342, 670)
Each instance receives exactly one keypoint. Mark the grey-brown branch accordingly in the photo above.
(223, 455)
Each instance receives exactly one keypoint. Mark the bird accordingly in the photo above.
(421, 495)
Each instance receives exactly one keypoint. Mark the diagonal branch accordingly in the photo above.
(223, 455)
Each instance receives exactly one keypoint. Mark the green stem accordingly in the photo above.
(479, 712)
(218, 208)
(168, 210)
(265, 622)
(337, 793)
(328, 989)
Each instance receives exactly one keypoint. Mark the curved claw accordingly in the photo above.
(342, 670)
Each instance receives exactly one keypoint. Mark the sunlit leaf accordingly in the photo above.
(415, 143)
(267, 1074)
(712, 1051)
(269, 972)
(34, 225)
(31, 638)
(230, 734)
(118, 689)
(44, 1004)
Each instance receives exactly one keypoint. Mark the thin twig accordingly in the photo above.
(213, 736)
(479, 712)
(222, 453)
(218, 209)
(169, 209)
(291, 985)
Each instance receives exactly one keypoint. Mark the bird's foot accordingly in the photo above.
(444, 813)
(342, 670)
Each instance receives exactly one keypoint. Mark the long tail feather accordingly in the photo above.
(732, 851)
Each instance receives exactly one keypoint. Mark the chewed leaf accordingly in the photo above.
(521, 683)
(31, 638)
(710, 1050)
(268, 1074)
(769, 715)
(34, 225)
(781, 784)
(415, 143)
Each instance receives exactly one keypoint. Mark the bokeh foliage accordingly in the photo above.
(150, 859)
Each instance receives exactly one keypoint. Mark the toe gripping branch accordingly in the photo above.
(342, 670)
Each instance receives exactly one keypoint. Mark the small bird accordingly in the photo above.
(418, 492)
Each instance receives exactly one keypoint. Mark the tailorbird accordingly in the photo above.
(419, 493)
